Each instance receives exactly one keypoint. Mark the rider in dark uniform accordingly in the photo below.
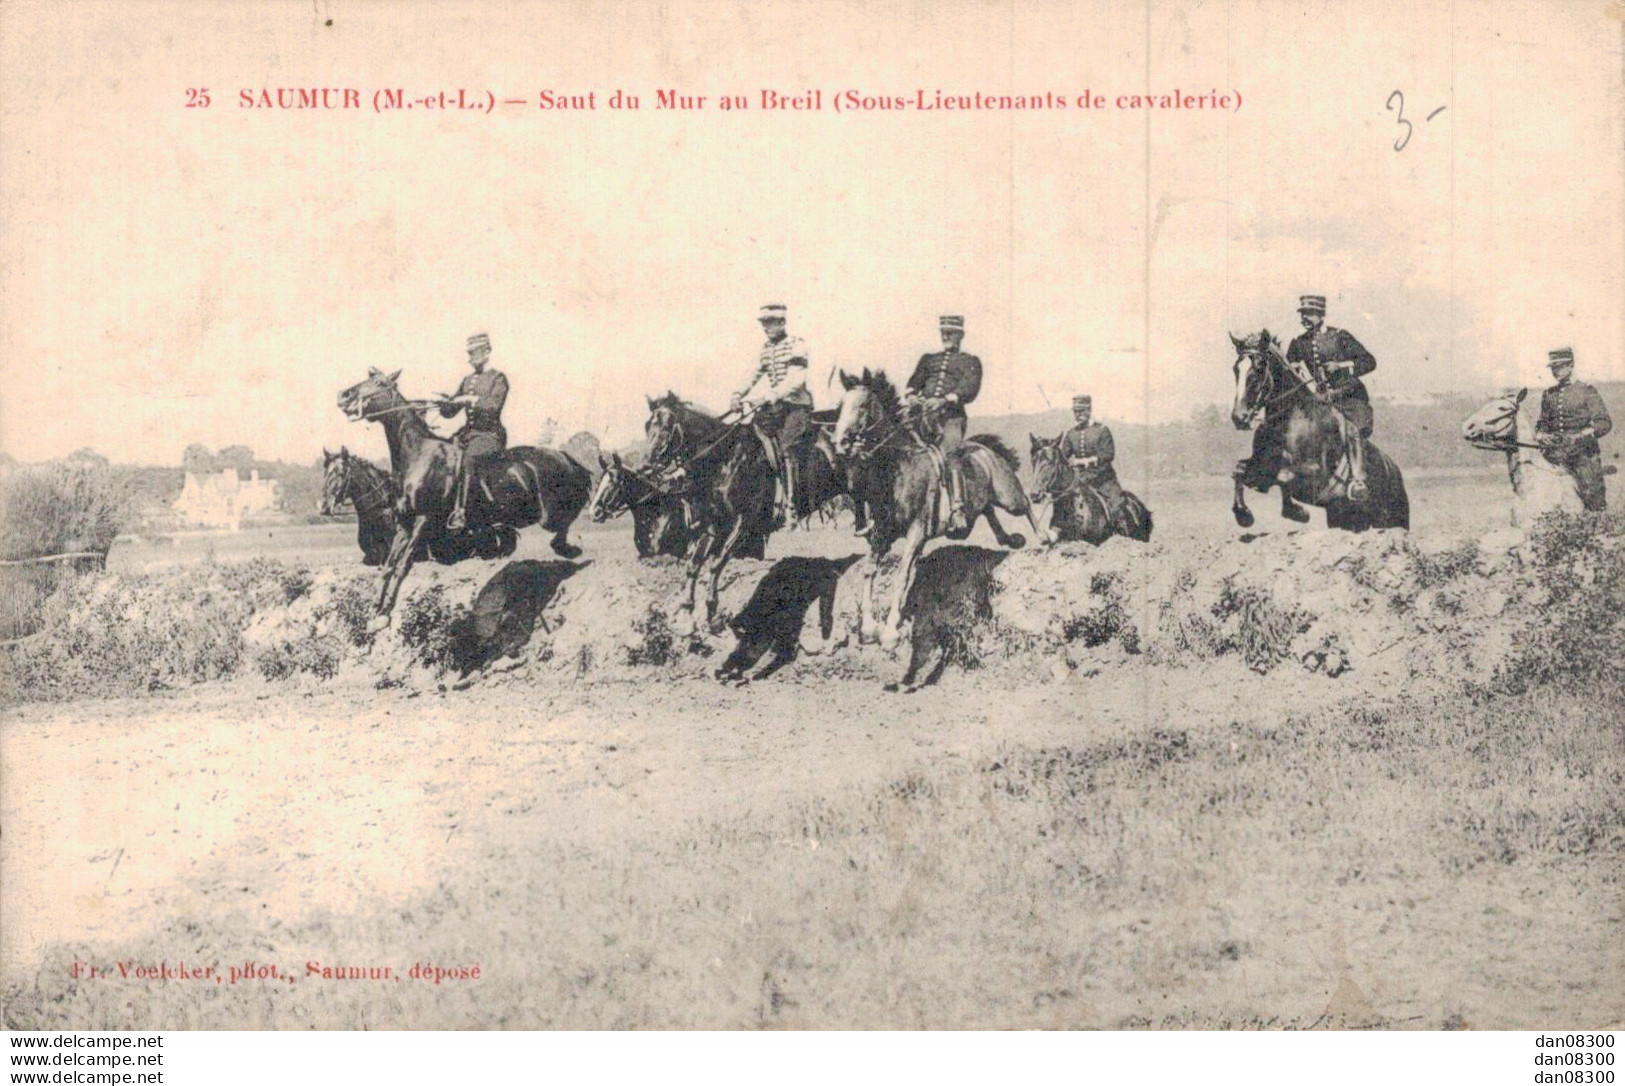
(1572, 418)
(782, 404)
(481, 395)
(1089, 449)
(1337, 362)
(944, 383)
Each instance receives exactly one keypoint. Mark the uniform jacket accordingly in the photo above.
(1092, 440)
(942, 373)
(491, 389)
(1571, 407)
(781, 372)
(1318, 349)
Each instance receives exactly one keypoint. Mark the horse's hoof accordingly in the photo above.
(1244, 517)
(893, 688)
(566, 550)
(1294, 513)
(1017, 541)
(890, 639)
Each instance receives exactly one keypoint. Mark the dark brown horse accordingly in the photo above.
(1299, 447)
(727, 480)
(369, 490)
(898, 474)
(1081, 513)
(660, 520)
(521, 487)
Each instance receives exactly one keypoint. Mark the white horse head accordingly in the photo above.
(1505, 425)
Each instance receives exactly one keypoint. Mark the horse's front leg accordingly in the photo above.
(683, 624)
(913, 543)
(725, 551)
(401, 555)
(1238, 504)
(868, 624)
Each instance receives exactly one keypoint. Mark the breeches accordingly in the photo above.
(786, 422)
(479, 444)
(1359, 413)
(953, 432)
(1589, 480)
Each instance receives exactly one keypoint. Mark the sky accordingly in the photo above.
(216, 275)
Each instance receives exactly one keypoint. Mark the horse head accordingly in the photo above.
(1051, 474)
(664, 428)
(1495, 425)
(335, 480)
(867, 400)
(1257, 366)
(364, 399)
(609, 495)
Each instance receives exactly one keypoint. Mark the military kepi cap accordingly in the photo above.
(771, 313)
(1082, 401)
(951, 323)
(1312, 303)
(479, 341)
(1563, 356)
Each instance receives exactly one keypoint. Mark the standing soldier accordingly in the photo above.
(1337, 362)
(1572, 418)
(481, 396)
(1089, 449)
(943, 384)
(782, 406)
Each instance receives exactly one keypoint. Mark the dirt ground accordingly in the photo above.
(1122, 847)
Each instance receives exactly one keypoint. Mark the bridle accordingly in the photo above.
(1260, 356)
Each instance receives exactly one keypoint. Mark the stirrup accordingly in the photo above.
(1358, 491)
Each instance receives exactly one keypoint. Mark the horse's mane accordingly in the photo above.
(677, 403)
(999, 449)
(883, 391)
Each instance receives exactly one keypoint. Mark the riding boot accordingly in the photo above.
(459, 512)
(1357, 490)
(788, 513)
(956, 503)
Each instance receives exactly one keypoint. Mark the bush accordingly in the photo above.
(1573, 640)
(59, 508)
(429, 627)
(1254, 625)
(657, 645)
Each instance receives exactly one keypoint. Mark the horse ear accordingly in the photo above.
(867, 376)
(615, 458)
(374, 371)
(344, 450)
(603, 465)
(326, 456)
(1033, 439)
(392, 378)
(650, 400)
(1522, 392)
(1234, 342)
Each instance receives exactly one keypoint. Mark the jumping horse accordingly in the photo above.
(1299, 447)
(727, 480)
(1505, 425)
(1081, 513)
(660, 519)
(896, 471)
(350, 480)
(521, 487)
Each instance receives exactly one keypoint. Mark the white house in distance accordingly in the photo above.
(222, 500)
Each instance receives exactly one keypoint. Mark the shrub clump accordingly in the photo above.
(1573, 640)
(656, 644)
(429, 627)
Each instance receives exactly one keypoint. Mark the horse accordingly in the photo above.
(371, 491)
(897, 473)
(1505, 425)
(521, 487)
(1081, 513)
(1299, 447)
(660, 520)
(729, 488)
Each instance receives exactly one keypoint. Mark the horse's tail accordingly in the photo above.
(996, 445)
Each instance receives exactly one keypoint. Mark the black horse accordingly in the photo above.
(1299, 447)
(727, 479)
(661, 522)
(370, 490)
(520, 487)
